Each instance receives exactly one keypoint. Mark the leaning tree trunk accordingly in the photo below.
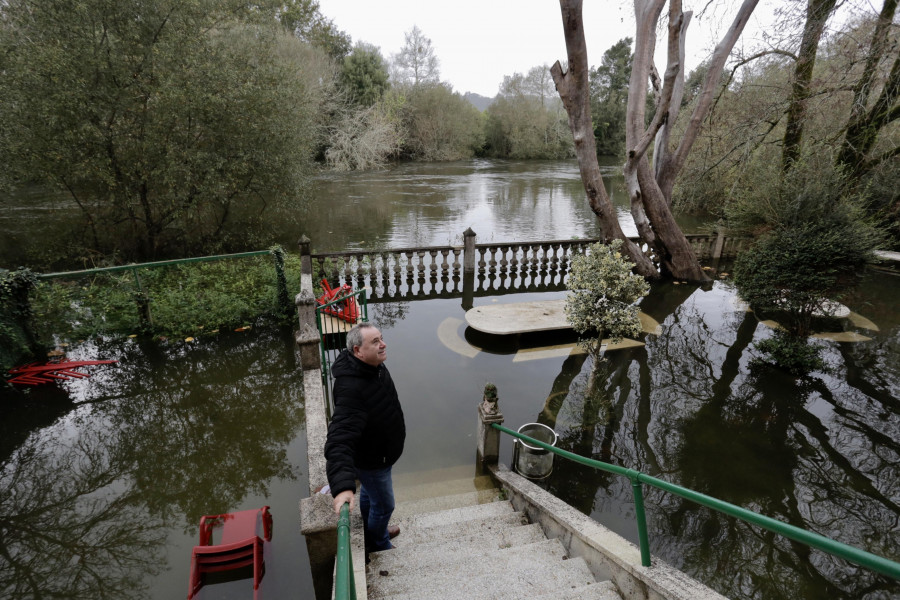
(866, 122)
(574, 92)
(649, 206)
(817, 13)
(651, 192)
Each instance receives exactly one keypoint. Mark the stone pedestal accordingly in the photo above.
(488, 438)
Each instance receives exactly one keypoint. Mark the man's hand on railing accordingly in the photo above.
(345, 496)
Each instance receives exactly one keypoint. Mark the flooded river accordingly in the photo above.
(104, 480)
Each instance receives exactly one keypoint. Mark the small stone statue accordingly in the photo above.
(489, 403)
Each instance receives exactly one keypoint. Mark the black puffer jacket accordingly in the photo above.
(367, 430)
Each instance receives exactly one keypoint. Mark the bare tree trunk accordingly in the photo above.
(817, 13)
(650, 193)
(654, 189)
(573, 90)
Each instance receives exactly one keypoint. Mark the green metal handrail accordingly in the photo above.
(860, 557)
(344, 585)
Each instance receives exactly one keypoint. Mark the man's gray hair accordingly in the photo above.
(355, 336)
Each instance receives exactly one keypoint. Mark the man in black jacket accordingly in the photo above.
(366, 434)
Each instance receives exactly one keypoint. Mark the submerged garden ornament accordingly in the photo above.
(602, 296)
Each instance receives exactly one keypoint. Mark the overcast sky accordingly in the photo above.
(479, 41)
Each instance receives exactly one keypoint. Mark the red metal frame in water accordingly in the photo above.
(348, 310)
(38, 373)
(240, 546)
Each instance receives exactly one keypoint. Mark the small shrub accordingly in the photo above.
(603, 295)
(791, 353)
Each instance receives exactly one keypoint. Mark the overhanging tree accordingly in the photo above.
(649, 187)
(158, 119)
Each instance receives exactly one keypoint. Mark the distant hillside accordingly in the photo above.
(478, 101)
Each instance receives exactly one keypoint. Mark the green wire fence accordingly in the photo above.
(855, 555)
(102, 300)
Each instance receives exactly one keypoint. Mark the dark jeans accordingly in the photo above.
(376, 503)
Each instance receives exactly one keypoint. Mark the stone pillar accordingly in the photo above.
(305, 258)
(469, 239)
(488, 438)
(307, 335)
(719, 245)
(468, 299)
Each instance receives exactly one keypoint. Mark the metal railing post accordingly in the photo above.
(143, 302)
(284, 300)
(640, 516)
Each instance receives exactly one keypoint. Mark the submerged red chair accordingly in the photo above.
(347, 310)
(240, 545)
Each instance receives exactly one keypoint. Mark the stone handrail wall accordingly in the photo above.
(442, 271)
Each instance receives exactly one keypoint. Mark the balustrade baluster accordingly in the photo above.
(492, 268)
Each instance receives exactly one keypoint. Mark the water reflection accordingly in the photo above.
(820, 453)
(91, 504)
(72, 526)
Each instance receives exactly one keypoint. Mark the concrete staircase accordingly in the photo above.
(460, 540)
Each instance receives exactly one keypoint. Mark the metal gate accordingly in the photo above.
(333, 324)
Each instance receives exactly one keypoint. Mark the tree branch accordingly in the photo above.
(716, 66)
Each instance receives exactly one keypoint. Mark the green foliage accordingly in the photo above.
(185, 299)
(602, 297)
(364, 75)
(609, 98)
(527, 119)
(303, 19)
(814, 241)
(791, 353)
(745, 131)
(156, 118)
(15, 316)
(440, 124)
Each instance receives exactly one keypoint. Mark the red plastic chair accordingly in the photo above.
(240, 545)
(348, 310)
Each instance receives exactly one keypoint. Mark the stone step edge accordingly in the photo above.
(601, 590)
(442, 503)
(457, 549)
(496, 523)
(426, 520)
(572, 573)
(528, 558)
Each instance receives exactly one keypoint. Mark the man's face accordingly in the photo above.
(372, 351)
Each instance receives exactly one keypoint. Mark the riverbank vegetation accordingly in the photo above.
(164, 123)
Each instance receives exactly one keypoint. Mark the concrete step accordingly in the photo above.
(411, 535)
(439, 503)
(516, 578)
(483, 543)
(426, 520)
(602, 590)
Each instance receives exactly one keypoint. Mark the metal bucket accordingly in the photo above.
(531, 461)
